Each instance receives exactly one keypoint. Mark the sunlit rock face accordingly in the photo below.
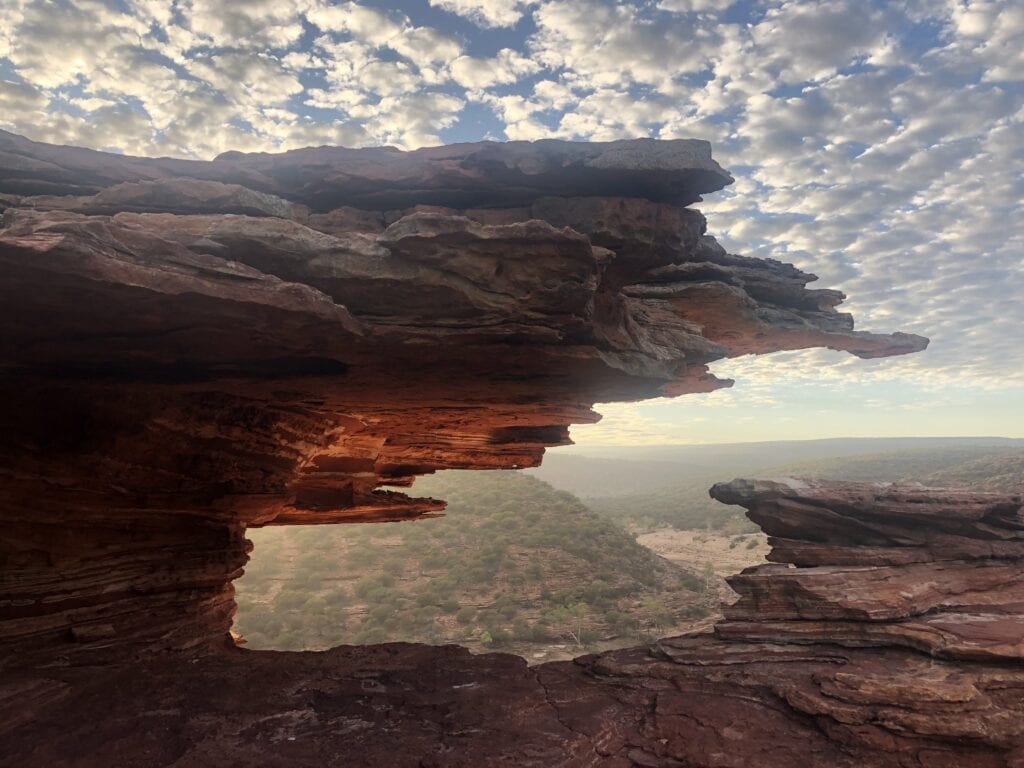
(191, 348)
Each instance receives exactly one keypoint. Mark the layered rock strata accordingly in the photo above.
(773, 697)
(191, 348)
(938, 571)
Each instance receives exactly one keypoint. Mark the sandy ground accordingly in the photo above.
(694, 549)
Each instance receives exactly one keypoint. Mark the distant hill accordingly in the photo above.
(1001, 472)
(910, 465)
(605, 471)
(514, 563)
(589, 476)
(685, 504)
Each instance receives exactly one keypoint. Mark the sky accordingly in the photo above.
(878, 145)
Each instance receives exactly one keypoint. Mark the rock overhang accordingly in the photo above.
(484, 174)
(190, 349)
(274, 339)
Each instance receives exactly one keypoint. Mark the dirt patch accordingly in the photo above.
(694, 549)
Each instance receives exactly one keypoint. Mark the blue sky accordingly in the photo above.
(877, 145)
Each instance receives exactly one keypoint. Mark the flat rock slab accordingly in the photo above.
(690, 701)
(487, 173)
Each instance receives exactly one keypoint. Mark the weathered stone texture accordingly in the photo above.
(190, 349)
(690, 702)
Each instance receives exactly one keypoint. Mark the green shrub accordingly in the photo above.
(695, 611)
(450, 605)
(499, 635)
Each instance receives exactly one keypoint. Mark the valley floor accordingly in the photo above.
(694, 549)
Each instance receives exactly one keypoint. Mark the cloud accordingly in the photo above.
(799, 41)
(506, 67)
(412, 120)
(994, 32)
(378, 29)
(696, 6)
(599, 44)
(252, 24)
(485, 13)
(50, 47)
(247, 79)
(20, 98)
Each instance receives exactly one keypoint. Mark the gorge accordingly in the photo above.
(191, 349)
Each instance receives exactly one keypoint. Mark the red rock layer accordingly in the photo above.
(938, 571)
(192, 348)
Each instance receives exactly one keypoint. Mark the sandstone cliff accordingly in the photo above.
(190, 349)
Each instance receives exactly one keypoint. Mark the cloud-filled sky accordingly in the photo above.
(876, 144)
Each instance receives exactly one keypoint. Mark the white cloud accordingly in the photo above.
(994, 33)
(696, 6)
(253, 24)
(506, 67)
(11, 17)
(19, 99)
(246, 79)
(800, 41)
(378, 29)
(412, 121)
(55, 46)
(485, 13)
(612, 45)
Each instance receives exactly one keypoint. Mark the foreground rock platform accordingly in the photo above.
(692, 702)
(773, 697)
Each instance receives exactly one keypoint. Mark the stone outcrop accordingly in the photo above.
(485, 174)
(938, 571)
(193, 348)
(746, 698)
(190, 349)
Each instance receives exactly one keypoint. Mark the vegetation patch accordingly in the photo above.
(514, 562)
